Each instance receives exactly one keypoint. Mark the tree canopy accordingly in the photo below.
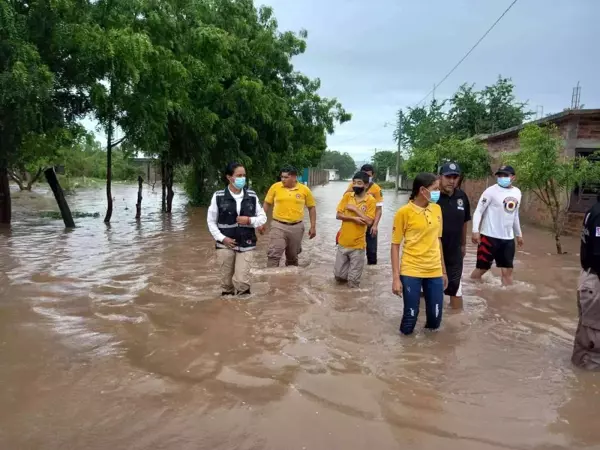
(195, 82)
(343, 162)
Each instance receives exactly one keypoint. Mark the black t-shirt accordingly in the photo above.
(456, 210)
(590, 240)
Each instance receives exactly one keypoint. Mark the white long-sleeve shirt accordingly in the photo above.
(497, 213)
(212, 216)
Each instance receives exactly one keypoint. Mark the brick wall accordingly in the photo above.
(589, 128)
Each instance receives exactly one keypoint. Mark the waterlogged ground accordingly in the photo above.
(116, 338)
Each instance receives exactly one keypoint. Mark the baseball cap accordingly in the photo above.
(505, 169)
(450, 168)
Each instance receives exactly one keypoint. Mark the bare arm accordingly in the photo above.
(266, 207)
(312, 214)
(395, 255)
(345, 218)
(378, 213)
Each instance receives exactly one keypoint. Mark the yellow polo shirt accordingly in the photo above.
(420, 229)
(289, 203)
(374, 190)
(352, 235)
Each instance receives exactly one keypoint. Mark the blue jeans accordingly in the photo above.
(433, 288)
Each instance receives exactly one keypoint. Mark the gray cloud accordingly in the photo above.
(381, 55)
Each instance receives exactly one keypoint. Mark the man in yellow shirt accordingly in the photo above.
(418, 228)
(374, 190)
(288, 198)
(357, 211)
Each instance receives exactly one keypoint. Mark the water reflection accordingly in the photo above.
(124, 326)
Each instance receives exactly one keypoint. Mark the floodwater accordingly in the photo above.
(116, 338)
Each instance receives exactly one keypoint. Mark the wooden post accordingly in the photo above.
(59, 195)
(5, 203)
(138, 205)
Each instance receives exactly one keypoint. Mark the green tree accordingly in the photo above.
(343, 162)
(548, 174)
(383, 160)
(423, 127)
(471, 155)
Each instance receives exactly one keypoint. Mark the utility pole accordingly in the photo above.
(399, 134)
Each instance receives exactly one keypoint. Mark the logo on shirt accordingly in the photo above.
(484, 200)
(363, 208)
(460, 202)
(510, 204)
(298, 196)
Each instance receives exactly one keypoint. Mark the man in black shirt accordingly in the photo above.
(586, 349)
(456, 213)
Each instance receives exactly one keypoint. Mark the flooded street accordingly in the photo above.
(117, 338)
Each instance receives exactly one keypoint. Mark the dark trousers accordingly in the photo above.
(433, 288)
(371, 248)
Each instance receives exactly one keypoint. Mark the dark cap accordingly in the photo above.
(367, 168)
(506, 170)
(450, 168)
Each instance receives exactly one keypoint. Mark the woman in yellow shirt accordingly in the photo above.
(418, 226)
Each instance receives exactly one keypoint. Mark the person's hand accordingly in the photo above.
(397, 286)
(476, 238)
(520, 241)
(312, 232)
(243, 220)
(374, 230)
(445, 280)
(262, 229)
(352, 208)
(229, 242)
(359, 220)
(463, 250)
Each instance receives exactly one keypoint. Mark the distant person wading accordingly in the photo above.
(288, 198)
(233, 215)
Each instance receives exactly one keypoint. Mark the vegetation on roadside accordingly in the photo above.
(551, 176)
(194, 83)
(447, 130)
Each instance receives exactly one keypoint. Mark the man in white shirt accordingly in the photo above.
(496, 224)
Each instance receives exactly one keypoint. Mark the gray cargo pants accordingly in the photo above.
(349, 265)
(586, 348)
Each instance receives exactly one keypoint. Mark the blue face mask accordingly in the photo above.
(434, 196)
(240, 182)
(504, 182)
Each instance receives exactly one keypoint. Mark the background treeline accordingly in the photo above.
(189, 82)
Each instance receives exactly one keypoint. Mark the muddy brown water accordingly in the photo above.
(116, 338)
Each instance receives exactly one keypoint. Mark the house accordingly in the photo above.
(334, 174)
(580, 129)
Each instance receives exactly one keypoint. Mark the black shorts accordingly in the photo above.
(492, 249)
(454, 272)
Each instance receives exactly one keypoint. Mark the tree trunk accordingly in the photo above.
(163, 180)
(17, 179)
(33, 180)
(5, 203)
(558, 244)
(109, 207)
(59, 195)
(138, 205)
(170, 193)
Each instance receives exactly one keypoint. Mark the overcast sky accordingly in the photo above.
(380, 55)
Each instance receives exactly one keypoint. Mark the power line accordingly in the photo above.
(469, 52)
(448, 74)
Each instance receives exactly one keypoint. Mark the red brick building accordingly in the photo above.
(580, 130)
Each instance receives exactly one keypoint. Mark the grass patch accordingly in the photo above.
(387, 184)
(76, 215)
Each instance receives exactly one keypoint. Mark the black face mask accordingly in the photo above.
(358, 190)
